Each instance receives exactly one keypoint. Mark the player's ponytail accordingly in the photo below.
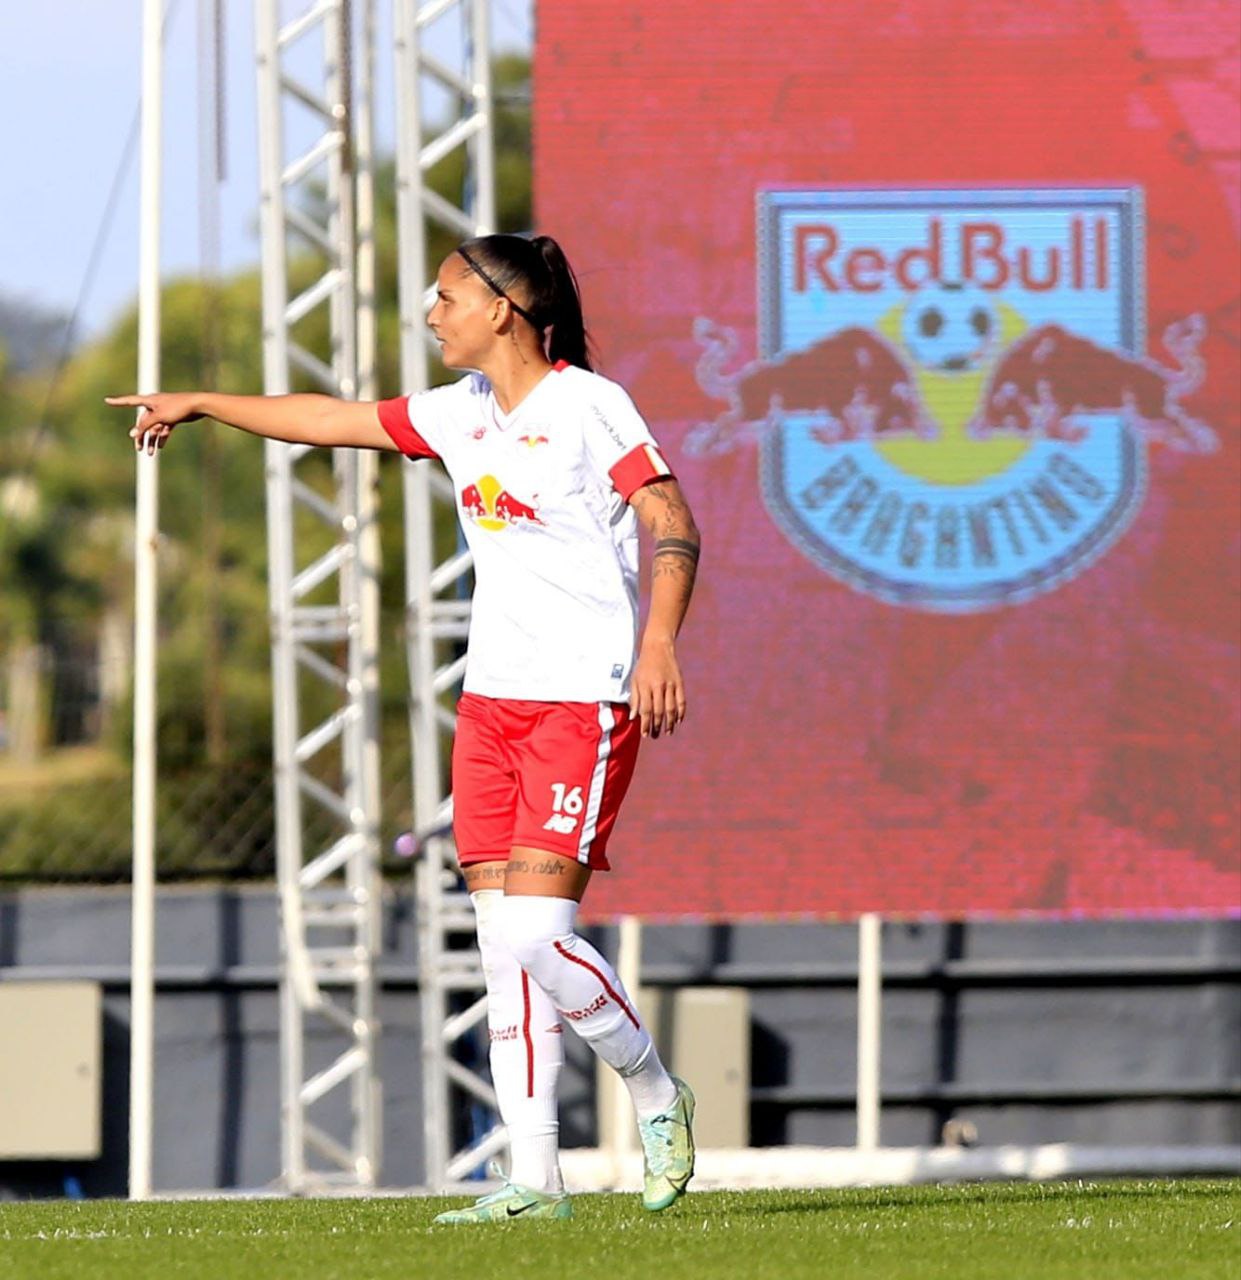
(568, 339)
(535, 276)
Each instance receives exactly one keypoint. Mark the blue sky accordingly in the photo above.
(69, 86)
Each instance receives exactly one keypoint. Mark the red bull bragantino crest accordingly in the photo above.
(965, 640)
(954, 397)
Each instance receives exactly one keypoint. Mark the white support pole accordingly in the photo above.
(146, 535)
(620, 1109)
(364, 215)
(870, 978)
(370, 560)
(482, 150)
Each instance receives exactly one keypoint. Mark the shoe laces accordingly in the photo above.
(502, 1192)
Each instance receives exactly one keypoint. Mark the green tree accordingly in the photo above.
(67, 564)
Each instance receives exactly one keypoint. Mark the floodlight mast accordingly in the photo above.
(323, 612)
(437, 576)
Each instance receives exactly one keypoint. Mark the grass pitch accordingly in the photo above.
(1001, 1231)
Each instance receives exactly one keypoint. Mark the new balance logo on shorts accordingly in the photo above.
(561, 823)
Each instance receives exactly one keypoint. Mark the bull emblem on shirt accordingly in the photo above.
(490, 506)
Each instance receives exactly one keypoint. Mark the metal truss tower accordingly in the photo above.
(324, 601)
(438, 568)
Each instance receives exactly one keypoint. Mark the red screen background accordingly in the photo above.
(1073, 755)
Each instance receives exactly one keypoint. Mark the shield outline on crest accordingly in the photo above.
(774, 205)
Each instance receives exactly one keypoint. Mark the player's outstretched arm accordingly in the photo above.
(658, 689)
(296, 419)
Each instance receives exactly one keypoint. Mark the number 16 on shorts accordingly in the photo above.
(567, 805)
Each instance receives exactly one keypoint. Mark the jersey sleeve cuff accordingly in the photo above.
(638, 467)
(394, 418)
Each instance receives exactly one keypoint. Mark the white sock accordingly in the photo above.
(650, 1086)
(527, 1052)
(589, 995)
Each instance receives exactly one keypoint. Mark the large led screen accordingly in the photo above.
(935, 308)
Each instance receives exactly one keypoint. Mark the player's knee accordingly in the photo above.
(528, 932)
(486, 903)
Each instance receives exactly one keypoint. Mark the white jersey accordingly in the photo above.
(542, 494)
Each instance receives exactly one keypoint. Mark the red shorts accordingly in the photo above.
(547, 775)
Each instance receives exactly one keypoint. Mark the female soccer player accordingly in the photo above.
(553, 469)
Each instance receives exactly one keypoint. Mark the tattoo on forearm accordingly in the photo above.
(676, 558)
(664, 511)
(679, 568)
(677, 547)
(673, 516)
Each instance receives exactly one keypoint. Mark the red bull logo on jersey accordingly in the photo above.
(489, 505)
(952, 400)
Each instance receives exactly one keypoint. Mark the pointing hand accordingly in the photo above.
(160, 413)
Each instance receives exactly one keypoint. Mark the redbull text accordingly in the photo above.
(983, 253)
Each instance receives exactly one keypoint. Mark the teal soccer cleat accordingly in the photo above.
(668, 1151)
(508, 1204)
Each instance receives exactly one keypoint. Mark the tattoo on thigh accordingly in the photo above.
(518, 864)
(552, 867)
(490, 873)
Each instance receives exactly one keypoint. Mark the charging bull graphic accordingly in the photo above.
(489, 505)
(1051, 377)
(853, 379)
(962, 425)
(861, 387)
